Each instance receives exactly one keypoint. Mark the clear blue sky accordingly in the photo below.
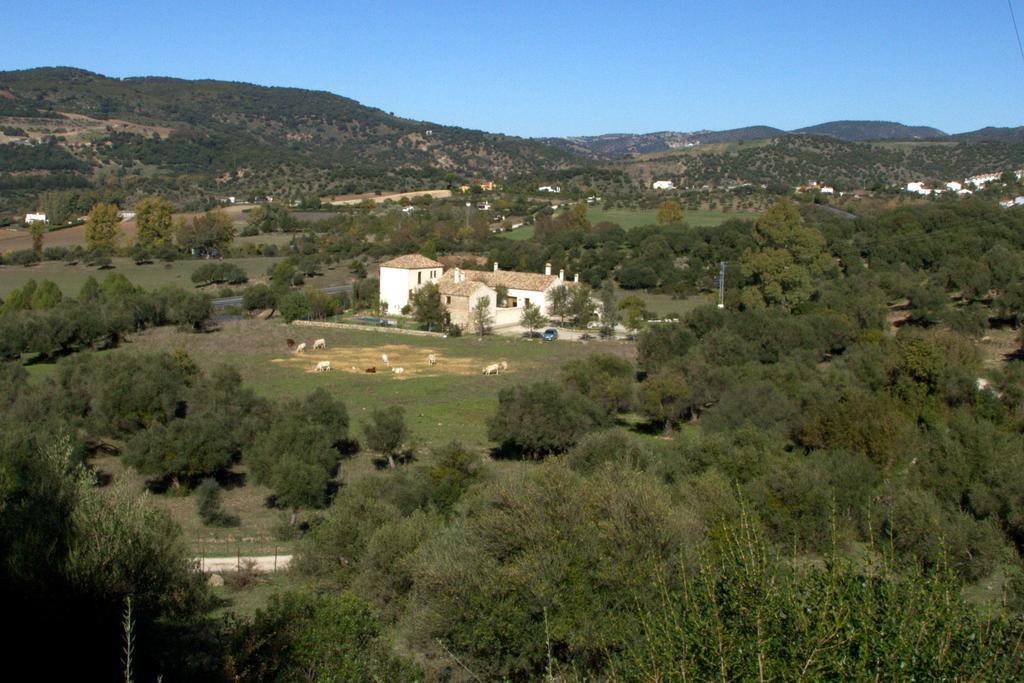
(567, 68)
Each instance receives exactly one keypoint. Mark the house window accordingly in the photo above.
(527, 302)
(448, 300)
(511, 302)
(419, 277)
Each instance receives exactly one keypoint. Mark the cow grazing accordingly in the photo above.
(371, 369)
(384, 357)
(323, 366)
(492, 369)
(300, 348)
(398, 371)
(290, 343)
(320, 344)
(504, 365)
(432, 359)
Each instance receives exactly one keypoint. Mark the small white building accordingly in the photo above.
(918, 188)
(31, 218)
(401, 277)
(982, 179)
(663, 185)
(954, 186)
(556, 189)
(825, 189)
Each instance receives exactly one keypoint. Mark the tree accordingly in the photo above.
(543, 418)
(533, 318)
(46, 295)
(153, 216)
(581, 306)
(101, 227)
(208, 505)
(427, 308)
(635, 310)
(664, 397)
(386, 431)
(258, 297)
(610, 314)
(559, 301)
(189, 309)
(272, 218)
(204, 234)
(294, 306)
(37, 230)
(481, 315)
(605, 379)
(669, 211)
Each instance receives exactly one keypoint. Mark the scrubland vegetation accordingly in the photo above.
(822, 480)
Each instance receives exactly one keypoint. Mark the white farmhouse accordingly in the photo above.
(918, 188)
(982, 179)
(826, 189)
(31, 218)
(401, 277)
(663, 185)
(556, 189)
(954, 186)
(461, 289)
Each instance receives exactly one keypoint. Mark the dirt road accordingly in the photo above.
(262, 563)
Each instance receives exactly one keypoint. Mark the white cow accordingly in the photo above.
(323, 366)
(432, 359)
(384, 357)
(320, 344)
(504, 365)
(492, 369)
(300, 348)
(398, 371)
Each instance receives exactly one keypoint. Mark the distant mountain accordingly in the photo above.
(616, 145)
(789, 160)
(237, 134)
(625, 144)
(862, 131)
(993, 134)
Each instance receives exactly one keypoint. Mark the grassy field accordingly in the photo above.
(71, 278)
(523, 233)
(446, 402)
(664, 304)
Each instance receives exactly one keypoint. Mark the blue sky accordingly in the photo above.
(567, 68)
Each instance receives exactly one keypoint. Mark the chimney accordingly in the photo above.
(547, 269)
(576, 278)
(457, 278)
(561, 274)
(495, 266)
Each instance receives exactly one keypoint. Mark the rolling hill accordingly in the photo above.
(233, 136)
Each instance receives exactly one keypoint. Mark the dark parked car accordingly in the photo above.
(550, 334)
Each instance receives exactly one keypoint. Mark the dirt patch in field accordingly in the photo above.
(412, 360)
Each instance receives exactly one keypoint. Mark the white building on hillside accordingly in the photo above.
(954, 186)
(401, 277)
(663, 185)
(918, 188)
(548, 188)
(31, 218)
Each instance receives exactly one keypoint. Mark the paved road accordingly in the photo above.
(224, 302)
(262, 563)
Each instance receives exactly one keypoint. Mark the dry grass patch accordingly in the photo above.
(412, 360)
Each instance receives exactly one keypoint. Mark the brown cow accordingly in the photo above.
(290, 343)
(373, 369)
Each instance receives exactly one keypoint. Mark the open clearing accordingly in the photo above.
(412, 361)
(70, 278)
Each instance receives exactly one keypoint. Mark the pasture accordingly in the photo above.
(70, 278)
(446, 402)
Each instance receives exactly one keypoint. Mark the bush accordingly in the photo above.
(540, 419)
(208, 505)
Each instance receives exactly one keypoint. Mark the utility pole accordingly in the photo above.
(721, 284)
